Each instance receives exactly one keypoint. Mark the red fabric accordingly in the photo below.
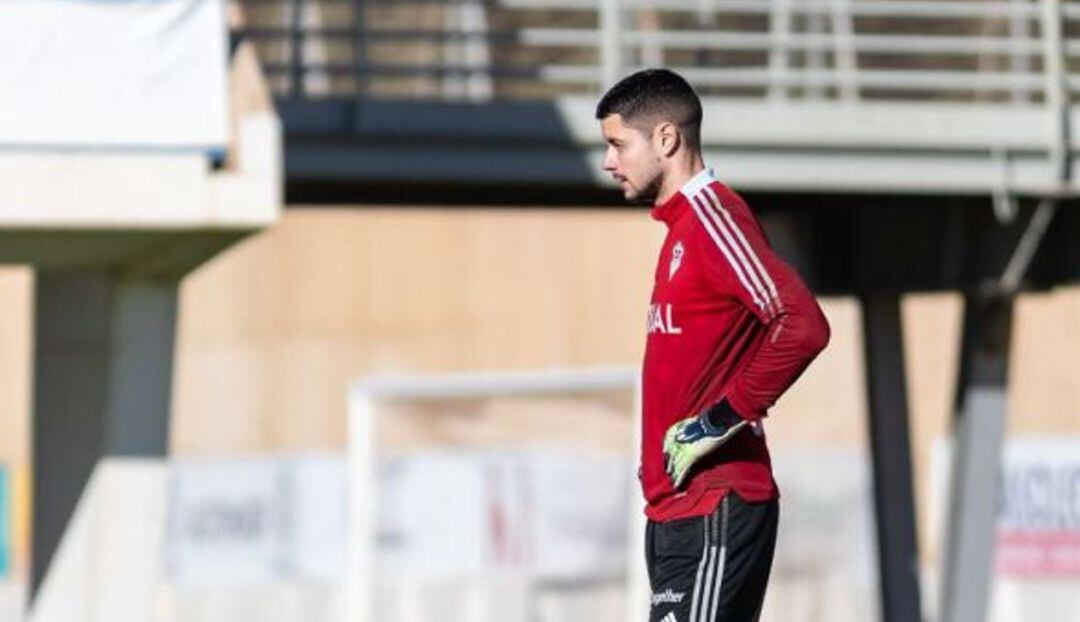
(728, 320)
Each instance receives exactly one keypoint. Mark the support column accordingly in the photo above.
(102, 386)
(894, 499)
(978, 435)
(612, 53)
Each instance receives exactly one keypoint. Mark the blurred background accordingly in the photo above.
(323, 310)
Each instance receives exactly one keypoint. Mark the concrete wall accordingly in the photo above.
(272, 332)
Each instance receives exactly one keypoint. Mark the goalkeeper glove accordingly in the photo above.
(688, 440)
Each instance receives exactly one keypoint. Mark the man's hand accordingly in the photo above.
(688, 440)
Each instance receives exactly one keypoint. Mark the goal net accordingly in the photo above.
(508, 496)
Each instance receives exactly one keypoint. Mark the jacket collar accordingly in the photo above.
(670, 210)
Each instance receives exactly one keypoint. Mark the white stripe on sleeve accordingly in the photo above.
(725, 230)
(735, 265)
(773, 294)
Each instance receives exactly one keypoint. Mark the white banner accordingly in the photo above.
(91, 73)
(452, 515)
(579, 530)
(1039, 519)
(541, 514)
(252, 520)
(433, 519)
(226, 521)
(826, 546)
(1038, 523)
(1037, 549)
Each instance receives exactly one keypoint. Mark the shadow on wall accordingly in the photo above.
(382, 141)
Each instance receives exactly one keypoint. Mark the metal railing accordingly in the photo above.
(847, 50)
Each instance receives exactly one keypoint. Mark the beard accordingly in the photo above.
(647, 194)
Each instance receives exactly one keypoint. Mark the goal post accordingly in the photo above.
(495, 418)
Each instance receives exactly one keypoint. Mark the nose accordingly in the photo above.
(609, 164)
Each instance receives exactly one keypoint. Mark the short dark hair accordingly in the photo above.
(655, 95)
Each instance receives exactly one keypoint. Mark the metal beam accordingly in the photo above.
(894, 500)
(978, 435)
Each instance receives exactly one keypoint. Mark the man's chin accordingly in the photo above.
(639, 196)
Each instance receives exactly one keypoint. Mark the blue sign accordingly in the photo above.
(5, 521)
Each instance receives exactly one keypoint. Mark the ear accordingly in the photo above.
(667, 138)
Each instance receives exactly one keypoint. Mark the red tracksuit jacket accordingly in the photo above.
(728, 320)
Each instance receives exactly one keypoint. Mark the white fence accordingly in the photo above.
(847, 50)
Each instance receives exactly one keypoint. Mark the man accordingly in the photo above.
(730, 327)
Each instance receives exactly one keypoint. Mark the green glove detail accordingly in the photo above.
(690, 439)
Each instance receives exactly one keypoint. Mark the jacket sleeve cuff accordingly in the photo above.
(721, 416)
(742, 409)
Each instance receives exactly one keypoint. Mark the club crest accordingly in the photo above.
(676, 260)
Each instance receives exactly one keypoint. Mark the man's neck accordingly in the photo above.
(677, 178)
